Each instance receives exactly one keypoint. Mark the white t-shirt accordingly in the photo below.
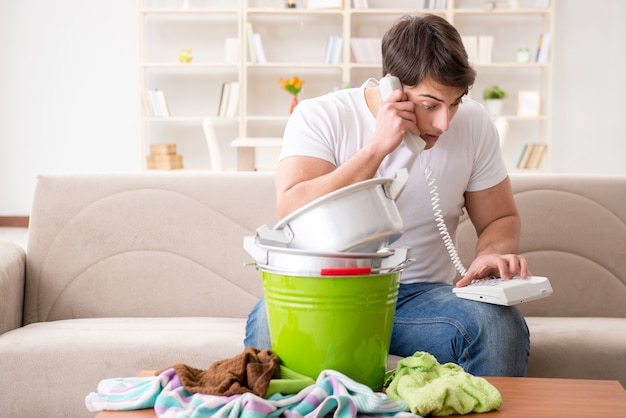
(466, 158)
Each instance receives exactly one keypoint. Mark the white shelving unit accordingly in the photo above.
(294, 41)
(193, 89)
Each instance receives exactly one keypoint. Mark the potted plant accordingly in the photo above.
(494, 96)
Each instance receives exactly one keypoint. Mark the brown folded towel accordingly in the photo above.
(250, 371)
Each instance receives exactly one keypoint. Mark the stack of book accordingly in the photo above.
(531, 156)
(164, 157)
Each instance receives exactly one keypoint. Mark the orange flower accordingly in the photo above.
(293, 86)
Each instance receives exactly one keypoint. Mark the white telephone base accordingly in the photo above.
(506, 292)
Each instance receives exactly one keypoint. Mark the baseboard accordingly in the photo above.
(14, 221)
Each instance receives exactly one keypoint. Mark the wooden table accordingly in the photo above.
(526, 397)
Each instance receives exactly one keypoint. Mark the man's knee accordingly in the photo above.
(257, 328)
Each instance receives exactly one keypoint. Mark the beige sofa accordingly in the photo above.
(133, 271)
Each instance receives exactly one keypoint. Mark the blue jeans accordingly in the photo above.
(484, 339)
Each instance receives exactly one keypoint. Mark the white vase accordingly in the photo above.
(494, 106)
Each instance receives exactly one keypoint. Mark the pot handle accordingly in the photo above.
(393, 189)
(258, 253)
(400, 258)
(276, 236)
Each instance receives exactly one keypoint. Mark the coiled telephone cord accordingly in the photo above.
(441, 225)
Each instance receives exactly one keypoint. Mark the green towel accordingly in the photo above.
(440, 390)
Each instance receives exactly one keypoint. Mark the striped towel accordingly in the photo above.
(333, 394)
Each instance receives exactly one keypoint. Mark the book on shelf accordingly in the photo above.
(250, 36)
(537, 156)
(543, 49)
(470, 42)
(221, 110)
(258, 48)
(147, 106)
(158, 103)
(334, 48)
(436, 4)
(165, 112)
(524, 156)
(256, 52)
(233, 99)
(154, 103)
(532, 156)
(229, 99)
(366, 50)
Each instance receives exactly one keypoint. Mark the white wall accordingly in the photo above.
(69, 90)
(589, 87)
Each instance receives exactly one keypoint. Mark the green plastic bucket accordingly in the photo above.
(332, 322)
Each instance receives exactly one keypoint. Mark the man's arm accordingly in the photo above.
(494, 215)
(301, 179)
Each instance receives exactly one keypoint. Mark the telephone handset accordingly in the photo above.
(413, 142)
(416, 145)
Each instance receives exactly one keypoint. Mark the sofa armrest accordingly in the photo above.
(12, 276)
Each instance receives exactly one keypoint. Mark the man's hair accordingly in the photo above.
(426, 46)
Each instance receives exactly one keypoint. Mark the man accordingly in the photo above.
(353, 135)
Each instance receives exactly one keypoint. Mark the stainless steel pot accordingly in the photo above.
(361, 218)
(310, 263)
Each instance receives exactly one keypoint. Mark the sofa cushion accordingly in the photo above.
(12, 266)
(65, 360)
(103, 240)
(577, 348)
(573, 232)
